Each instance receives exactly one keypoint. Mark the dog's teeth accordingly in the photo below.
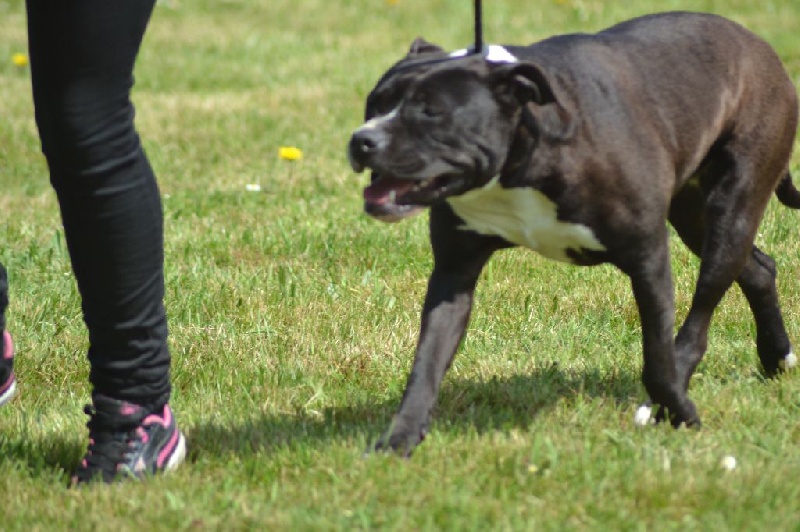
(392, 196)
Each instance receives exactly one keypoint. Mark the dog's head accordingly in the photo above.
(439, 125)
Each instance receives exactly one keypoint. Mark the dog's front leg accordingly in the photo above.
(459, 257)
(651, 279)
(444, 320)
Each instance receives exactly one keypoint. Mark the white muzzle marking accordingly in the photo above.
(376, 121)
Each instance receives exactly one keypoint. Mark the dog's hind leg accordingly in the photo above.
(757, 281)
(758, 284)
(733, 203)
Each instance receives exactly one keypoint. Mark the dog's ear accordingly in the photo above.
(527, 83)
(421, 46)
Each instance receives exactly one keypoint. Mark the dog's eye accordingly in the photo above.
(431, 111)
(425, 105)
(428, 108)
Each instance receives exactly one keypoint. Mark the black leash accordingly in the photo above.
(478, 28)
(478, 47)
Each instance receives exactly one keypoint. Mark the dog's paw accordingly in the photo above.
(788, 362)
(684, 417)
(644, 415)
(399, 443)
(774, 367)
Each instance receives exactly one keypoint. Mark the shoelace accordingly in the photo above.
(111, 441)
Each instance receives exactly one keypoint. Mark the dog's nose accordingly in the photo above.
(366, 141)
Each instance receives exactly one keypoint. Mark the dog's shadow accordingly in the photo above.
(497, 404)
(464, 405)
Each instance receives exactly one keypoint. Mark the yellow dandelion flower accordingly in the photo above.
(290, 153)
(392, 2)
(19, 60)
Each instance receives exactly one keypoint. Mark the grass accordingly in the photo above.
(294, 316)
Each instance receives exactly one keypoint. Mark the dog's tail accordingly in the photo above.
(787, 193)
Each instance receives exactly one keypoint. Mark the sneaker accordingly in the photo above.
(125, 441)
(8, 383)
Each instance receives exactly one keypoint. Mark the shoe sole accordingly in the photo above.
(9, 394)
(178, 455)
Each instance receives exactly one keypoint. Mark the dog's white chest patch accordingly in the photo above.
(523, 216)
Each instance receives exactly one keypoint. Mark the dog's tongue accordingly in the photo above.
(379, 192)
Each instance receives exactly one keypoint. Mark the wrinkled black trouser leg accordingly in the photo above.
(82, 57)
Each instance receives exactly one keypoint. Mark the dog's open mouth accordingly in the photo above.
(390, 199)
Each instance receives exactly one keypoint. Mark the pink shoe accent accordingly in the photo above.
(8, 350)
(9, 387)
(165, 419)
(168, 449)
(143, 435)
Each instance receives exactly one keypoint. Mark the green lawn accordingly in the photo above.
(294, 316)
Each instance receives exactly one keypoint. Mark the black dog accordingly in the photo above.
(581, 147)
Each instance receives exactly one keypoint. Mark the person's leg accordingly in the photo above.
(8, 383)
(82, 57)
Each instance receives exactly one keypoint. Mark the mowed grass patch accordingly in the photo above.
(294, 316)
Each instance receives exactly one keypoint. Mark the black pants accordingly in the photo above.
(82, 57)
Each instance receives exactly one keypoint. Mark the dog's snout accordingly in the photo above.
(364, 144)
(366, 141)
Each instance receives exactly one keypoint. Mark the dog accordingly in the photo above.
(581, 147)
